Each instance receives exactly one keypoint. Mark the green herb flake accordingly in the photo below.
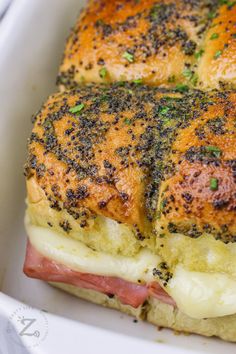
(120, 83)
(199, 54)
(214, 184)
(163, 204)
(104, 98)
(128, 56)
(127, 121)
(163, 110)
(181, 88)
(194, 79)
(191, 76)
(233, 35)
(214, 36)
(231, 4)
(214, 150)
(217, 54)
(138, 81)
(78, 108)
(103, 73)
(155, 11)
(211, 15)
(187, 73)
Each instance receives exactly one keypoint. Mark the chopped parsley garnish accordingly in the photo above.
(103, 73)
(199, 54)
(214, 150)
(127, 121)
(104, 97)
(138, 81)
(211, 15)
(181, 88)
(163, 110)
(191, 76)
(78, 108)
(233, 35)
(214, 184)
(231, 4)
(188, 73)
(120, 83)
(155, 11)
(163, 204)
(194, 79)
(128, 56)
(217, 54)
(214, 36)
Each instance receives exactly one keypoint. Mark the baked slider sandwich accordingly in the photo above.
(162, 43)
(131, 202)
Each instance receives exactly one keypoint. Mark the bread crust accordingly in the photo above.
(217, 67)
(161, 314)
(136, 163)
(168, 42)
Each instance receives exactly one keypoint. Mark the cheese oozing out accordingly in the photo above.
(203, 295)
(197, 294)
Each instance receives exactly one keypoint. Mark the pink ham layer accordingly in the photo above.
(40, 267)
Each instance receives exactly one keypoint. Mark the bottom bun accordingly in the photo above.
(161, 314)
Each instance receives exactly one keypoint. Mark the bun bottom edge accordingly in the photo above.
(160, 314)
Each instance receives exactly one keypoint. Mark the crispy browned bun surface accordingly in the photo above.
(159, 42)
(140, 155)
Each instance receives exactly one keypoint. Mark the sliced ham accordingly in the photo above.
(154, 289)
(40, 267)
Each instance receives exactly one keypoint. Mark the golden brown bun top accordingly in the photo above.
(159, 42)
(140, 155)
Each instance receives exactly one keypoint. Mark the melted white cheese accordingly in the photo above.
(203, 295)
(197, 294)
(80, 257)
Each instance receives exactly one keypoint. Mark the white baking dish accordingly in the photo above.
(32, 37)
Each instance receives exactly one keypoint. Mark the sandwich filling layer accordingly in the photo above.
(197, 294)
(40, 267)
